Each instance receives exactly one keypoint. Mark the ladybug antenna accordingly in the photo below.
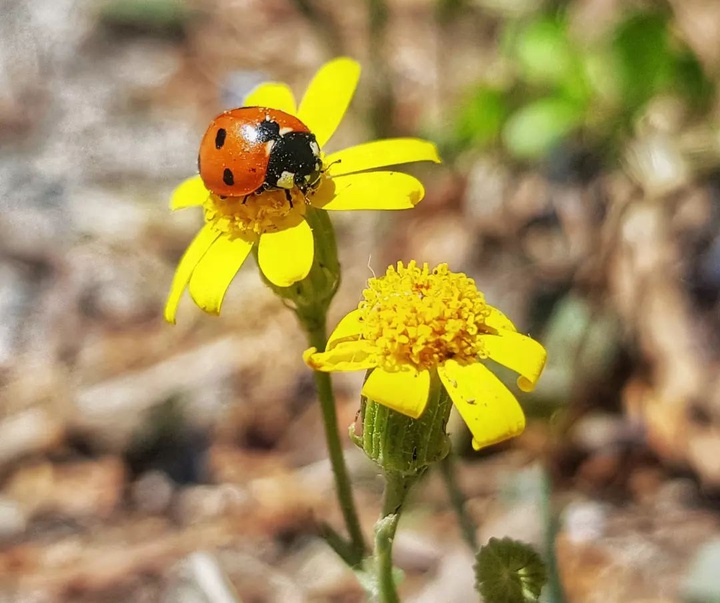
(327, 167)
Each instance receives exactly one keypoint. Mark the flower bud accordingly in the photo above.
(400, 444)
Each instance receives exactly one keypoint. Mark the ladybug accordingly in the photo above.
(253, 149)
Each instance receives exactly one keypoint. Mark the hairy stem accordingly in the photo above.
(356, 550)
(397, 486)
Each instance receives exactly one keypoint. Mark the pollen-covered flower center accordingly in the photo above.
(419, 317)
(254, 214)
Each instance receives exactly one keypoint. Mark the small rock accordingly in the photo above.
(600, 431)
(13, 520)
(701, 582)
(79, 490)
(454, 581)
(584, 521)
(443, 238)
(153, 492)
(677, 495)
(321, 572)
(113, 410)
(198, 503)
(200, 579)
(15, 296)
(28, 432)
(511, 520)
(415, 552)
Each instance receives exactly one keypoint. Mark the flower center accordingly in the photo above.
(419, 317)
(255, 214)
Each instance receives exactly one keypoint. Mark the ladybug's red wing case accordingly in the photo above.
(250, 149)
(232, 160)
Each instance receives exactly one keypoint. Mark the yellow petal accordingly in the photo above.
(348, 356)
(522, 354)
(349, 328)
(497, 320)
(285, 257)
(215, 271)
(488, 408)
(380, 153)
(193, 254)
(405, 391)
(272, 95)
(369, 190)
(189, 193)
(328, 96)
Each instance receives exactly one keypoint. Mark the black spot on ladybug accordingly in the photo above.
(220, 138)
(228, 177)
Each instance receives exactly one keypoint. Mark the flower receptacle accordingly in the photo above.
(400, 444)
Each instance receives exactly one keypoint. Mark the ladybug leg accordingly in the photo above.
(288, 196)
(304, 190)
(245, 198)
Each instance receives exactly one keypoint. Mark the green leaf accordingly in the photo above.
(643, 57)
(543, 52)
(148, 16)
(692, 82)
(509, 571)
(480, 119)
(536, 128)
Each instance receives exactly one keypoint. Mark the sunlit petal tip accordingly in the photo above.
(519, 353)
(349, 356)
(488, 408)
(525, 384)
(170, 311)
(328, 96)
(215, 271)
(190, 193)
(272, 95)
(404, 391)
(286, 256)
(380, 153)
(511, 433)
(369, 190)
(187, 265)
(308, 358)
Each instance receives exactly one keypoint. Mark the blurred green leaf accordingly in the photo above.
(445, 10)
(509, 571)
(691, 81)
(643, 58)
(543, 52)
(536, 128)
(161, 16)
(480, 119)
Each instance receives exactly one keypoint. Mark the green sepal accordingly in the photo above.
(400, 444)
(311, 297)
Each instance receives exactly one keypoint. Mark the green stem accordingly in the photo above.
(318, 338)
(397, 486)
(457, 500)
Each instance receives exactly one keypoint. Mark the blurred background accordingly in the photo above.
(142, 462)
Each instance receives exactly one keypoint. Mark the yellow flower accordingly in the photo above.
(279, 229)
(414, 323)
